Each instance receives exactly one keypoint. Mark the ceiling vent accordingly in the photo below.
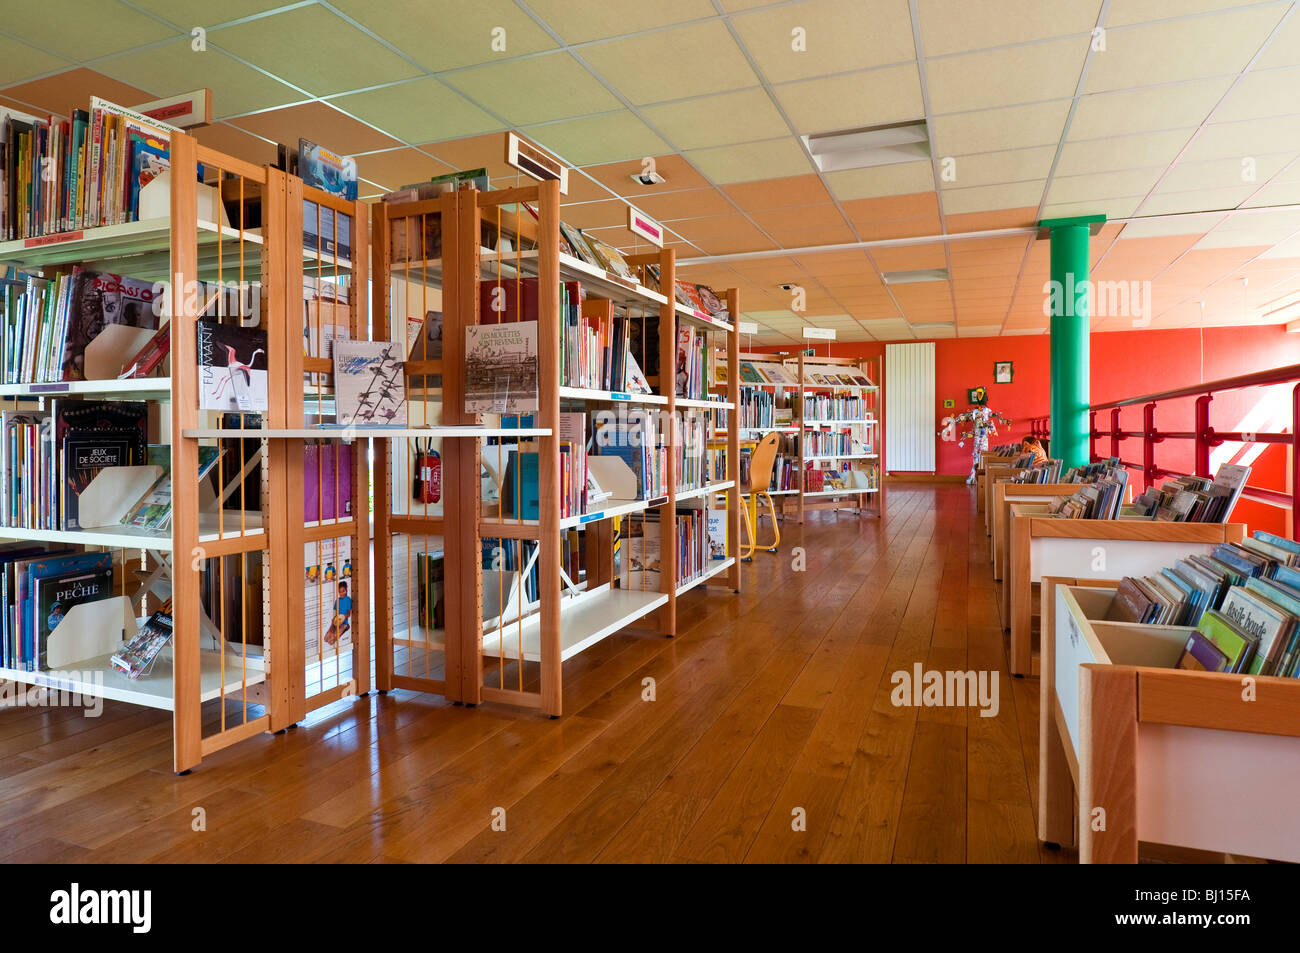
(915, 277)
(647, 178)
(869, 146)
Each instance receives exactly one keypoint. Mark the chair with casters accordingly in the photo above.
(760, 476)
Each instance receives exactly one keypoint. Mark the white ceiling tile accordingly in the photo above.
(424, 110)
(1160, 228)
(904, 178)
(1102, 185)
(991, 197)
(840, 35)
(1143, 110)
(773, 159)
(1125, 12)
(994, 168)
(595, 139)
(1111, 208)
(83, 29)
(1281, 193)
(744, 116)
(1173, 50)
(442, 36)
(869, 98)
(997, 78)
(1284, 48)
(534, 89)
(581, 22)
(1122, 152)
(1206, 200)
(1254, 137)
(992, 130)
(959, 26)
(1235, 172)
(1261, 94)
(677, 63)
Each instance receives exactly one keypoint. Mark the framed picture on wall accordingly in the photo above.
(1002, 371)
(978, 396)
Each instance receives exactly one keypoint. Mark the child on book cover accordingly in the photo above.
(342, 614)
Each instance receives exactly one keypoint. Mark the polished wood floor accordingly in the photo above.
(768, 706)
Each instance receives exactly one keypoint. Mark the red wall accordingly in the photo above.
(1123, 364)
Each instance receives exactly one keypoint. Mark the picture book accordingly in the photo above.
(369, 386)
(232, 367)
(501, 373)
(100, 299)
(326, 170)
(54, 596)
(1237, 645)
(91, 435)
(328, 602)
(1202, 655)
(136, 657)
(327, 481)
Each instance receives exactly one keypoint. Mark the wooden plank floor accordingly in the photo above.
(772, 737)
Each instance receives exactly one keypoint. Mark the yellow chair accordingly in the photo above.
(760, 477)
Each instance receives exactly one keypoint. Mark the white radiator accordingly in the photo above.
(909, 407)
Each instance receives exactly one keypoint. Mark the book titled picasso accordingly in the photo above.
(369, 385)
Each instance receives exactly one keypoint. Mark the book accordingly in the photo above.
(328, 596)
(1269, 626)
(369, 387)
(145, 361)
(328, 171)
(54, 596)
(136, 657)
(100, 299)
(327, 481)
(1130, 604)
(1202, 655)
(232, 367)
(501, 372)
(1237, 645)
(90, 435)
(327, 233)
(428, 579)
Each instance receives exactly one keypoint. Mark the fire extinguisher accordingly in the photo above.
(428, 474)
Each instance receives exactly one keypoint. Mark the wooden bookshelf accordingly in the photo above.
(1160, 750)
(1090, 549)
(868, 427)
(498, 644)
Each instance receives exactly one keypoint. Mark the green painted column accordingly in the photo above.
(1069, 306)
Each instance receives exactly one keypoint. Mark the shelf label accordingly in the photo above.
(53, 239)
(186, 110)
(639, 223)
(826, 333)
(591, 517)
(535, 162)
(57, 388)
(657, 501)
(619, 395)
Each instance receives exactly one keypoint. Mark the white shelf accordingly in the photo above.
(133, 388)
(766, 430)
(131, 537)
(839, 423)
(360, 433)
(585, 619)
(709, 573)
(843, 456)
(709, 404)
(583, 393)
(705, 490)
(154, 690)
(847, 491)
(780, 492)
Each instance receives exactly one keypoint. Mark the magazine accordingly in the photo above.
(136, 657)
(369, 387)
(327, 171)
(501, 368)
(328, 602)
(232, 367)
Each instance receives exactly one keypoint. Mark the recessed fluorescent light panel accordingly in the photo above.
(933, 326)
(869, 146)
(914, 277)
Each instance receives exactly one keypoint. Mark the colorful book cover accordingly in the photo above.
(369, 386)
(232, 367)
(501, 372)
(54, 597)
(328, 171)
(1231, 641)
(136, 657)
(328, 592)
(100, 299)
(1200, 654)
(92, 435)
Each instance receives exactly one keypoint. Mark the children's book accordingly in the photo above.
(232, 367)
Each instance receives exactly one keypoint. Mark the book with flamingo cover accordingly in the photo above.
(369, 384)
(232, 367)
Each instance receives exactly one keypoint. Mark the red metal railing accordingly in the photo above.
(1203, 435)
